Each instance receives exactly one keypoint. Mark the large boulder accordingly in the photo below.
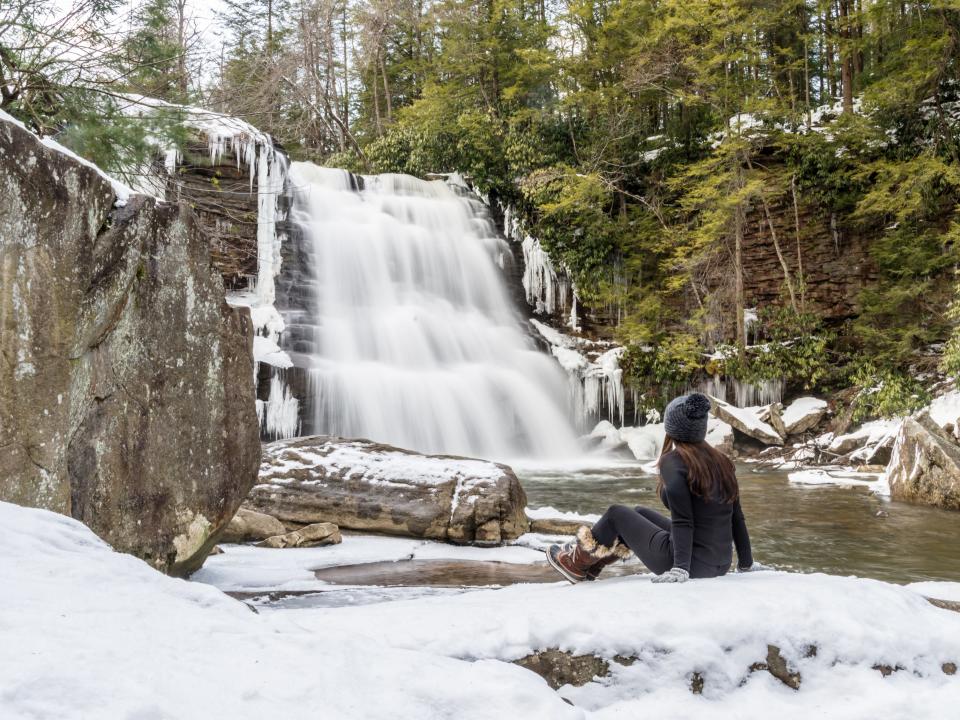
(925, 465)
(126, 382)
(362, 485)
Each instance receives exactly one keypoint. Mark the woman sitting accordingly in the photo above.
(698, 485)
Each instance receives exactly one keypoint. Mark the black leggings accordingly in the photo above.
(643, 530)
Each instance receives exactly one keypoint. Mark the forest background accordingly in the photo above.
(632, 139)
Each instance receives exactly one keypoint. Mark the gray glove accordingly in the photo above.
(674, 575)
(756, 567)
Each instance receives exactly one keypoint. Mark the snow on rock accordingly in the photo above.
(945, 410)
(88, 632)
(266, 350)
(365, 486)
(645, 442)
(120, 189)
(803, 414)
(866, 440)
(746, 420)
(593, 368)
(607, 436)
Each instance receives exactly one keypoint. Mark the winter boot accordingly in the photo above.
(577, 559)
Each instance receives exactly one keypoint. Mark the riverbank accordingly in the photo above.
(100, 632)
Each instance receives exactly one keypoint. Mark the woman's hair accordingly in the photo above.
(710, 474)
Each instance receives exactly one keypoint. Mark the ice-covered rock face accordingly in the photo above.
(126, 396)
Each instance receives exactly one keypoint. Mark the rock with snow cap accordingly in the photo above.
(803, 414)
(362, 485)
(924, 466)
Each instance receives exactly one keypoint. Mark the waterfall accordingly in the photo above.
(406, 333)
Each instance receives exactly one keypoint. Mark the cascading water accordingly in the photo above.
(407, 334)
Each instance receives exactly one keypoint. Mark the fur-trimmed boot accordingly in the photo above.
(620, 552)
(577, 558)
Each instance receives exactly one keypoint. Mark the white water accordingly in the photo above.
(414, 340)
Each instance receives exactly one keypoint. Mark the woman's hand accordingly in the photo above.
(756, 567)
(674, 575)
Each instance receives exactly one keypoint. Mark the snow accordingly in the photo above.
(945, 410)
(836, 477)
(88, 632)
(93, 633)
(120, 190)
(376, 464)
(645, 442)
(867, 437)
(801, 408)
(267, 351)
(949, 591)
(749, 416)
(551, 513)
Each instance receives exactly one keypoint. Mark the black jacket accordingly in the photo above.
(703, 531)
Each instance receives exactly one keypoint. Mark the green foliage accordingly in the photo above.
(795, 350)
(886, 393)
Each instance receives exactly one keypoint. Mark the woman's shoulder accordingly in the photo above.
(672, 462)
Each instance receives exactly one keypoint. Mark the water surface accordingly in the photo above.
(842, 531)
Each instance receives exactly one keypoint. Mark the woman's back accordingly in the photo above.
(703, 529)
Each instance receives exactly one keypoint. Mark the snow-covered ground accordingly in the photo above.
(92, 633)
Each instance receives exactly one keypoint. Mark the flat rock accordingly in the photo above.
(924, 465)
(248, 525)
(126, 387)
(365, 486)
(554, 526)
(746, 421)
(313, 535)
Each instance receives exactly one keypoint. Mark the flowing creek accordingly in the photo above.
(842, 531)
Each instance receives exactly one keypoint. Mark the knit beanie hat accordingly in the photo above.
(685, 418)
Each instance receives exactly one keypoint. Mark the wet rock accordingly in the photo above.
(746, 421)
(949, 668)
(314, 535)
(366, 486)
(887, 670)
(777, 666)
(555, 526)
(696, 683)
(248, 525)
(126, 391)
(559, 667)
(925, 465)
(952, 605)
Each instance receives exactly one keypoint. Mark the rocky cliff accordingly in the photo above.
(126, 382)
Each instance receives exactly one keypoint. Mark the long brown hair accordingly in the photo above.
(710, 474)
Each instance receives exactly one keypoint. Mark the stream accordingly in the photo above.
(836, 530)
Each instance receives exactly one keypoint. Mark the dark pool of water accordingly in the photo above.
(844, 531)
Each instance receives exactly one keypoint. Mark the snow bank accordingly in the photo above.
(945, 410)
(854, 625)
(940, 590)
(88, 632)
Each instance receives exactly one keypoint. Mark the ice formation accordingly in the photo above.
(596, 385)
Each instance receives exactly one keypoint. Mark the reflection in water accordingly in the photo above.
(842, 531)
